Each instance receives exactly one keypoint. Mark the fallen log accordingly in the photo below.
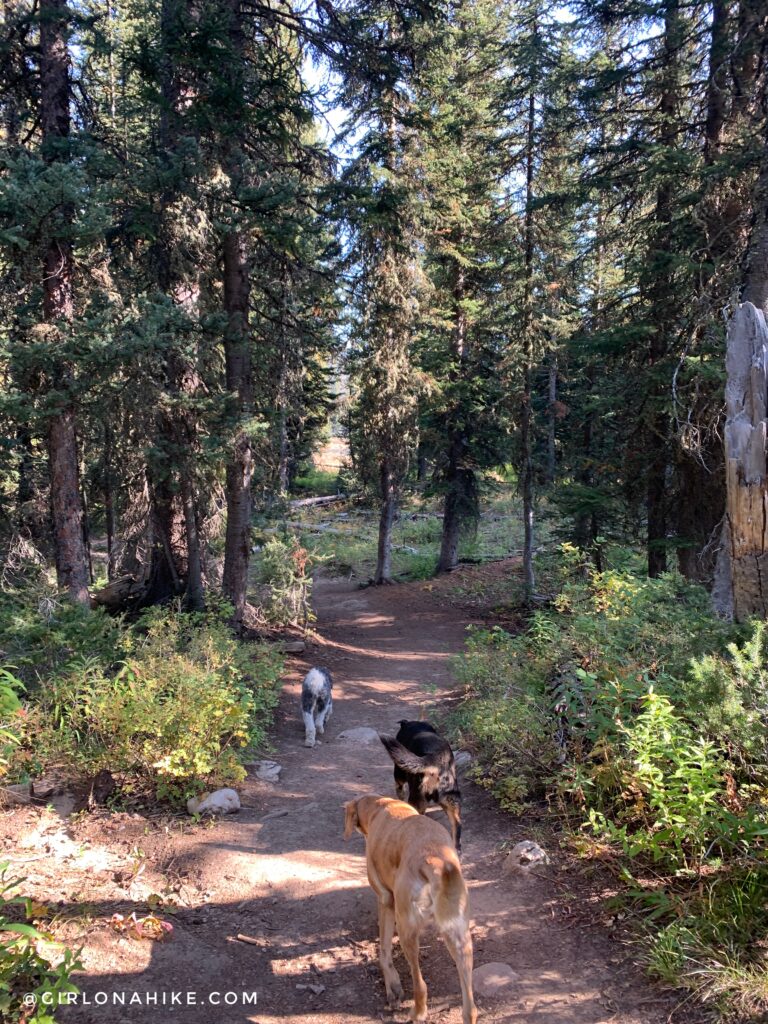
(327, 499)
(120, 594)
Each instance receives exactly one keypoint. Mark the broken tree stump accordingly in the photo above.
(741, 585)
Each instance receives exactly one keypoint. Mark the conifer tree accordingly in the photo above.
(381, 209)
(461, 349)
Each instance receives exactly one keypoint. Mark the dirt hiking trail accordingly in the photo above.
(279, 872)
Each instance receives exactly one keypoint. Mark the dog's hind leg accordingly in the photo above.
(392, 981)
(309, 729)
(386, 934)
(408, 929)
(453, 809)
(323, 717)
(459, 943)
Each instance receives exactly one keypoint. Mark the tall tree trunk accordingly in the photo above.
(526, 411)
(741, 576)
(110, 514)
(717, 84)
(58, 309)
(700, 475)
(459, 509)
(176, 558)
(237, 348)
(422, 464)
(745, 593)
(283, 461)
(657, 433)
(237, 351)
(195, 589)
(386, 521)
(756, 270)
(552, 415)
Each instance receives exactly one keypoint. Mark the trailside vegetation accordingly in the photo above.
(488, 254)
(642, 717)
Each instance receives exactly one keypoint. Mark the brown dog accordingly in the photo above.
(416, 875)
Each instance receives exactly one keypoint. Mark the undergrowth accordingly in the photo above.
(346, 542)
(168, 705)
(646, 719)
(35, 971)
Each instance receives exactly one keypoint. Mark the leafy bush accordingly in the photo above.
(23, 970)
(10, 716)
(283, 572)
(648, 718)
(171, 710)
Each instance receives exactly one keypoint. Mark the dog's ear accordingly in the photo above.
(351, 819)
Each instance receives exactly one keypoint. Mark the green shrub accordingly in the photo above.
(10, 717)
(286, 583)
(670, 779)
(648, 718)
(172, 717)
(23, 970)
(729, 695)
(507, 716)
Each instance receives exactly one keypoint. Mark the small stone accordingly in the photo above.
(292, 647)
(222, 801)
(44, 788)
(525, 857)
(462, 759)
(315, 989)
(275, 814)
(266, 771)
(494, 979)
(18, 794)
(361, 736)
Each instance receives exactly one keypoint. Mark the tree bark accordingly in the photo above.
(717, 84)
(529, 578)
(237, 347)
(386, 521)
(58, 309)
(460, 500)
(746, 531)
(176, 556)
(457, 510)
(552, 412)
(657, 433)
(741, 576)
(237, 354)
(110, 514)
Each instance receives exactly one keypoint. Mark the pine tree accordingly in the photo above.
(461, 350)
(381, 210)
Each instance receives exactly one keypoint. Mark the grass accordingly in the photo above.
(345, 539)
(316, 483)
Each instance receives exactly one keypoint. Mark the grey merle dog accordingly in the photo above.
(316, 703)
(424, 763)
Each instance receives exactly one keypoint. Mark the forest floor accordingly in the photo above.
(280, 874)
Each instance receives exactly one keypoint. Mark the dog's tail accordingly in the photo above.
(403, 758)
(451, 895)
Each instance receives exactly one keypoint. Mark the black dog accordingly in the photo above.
(425, 762)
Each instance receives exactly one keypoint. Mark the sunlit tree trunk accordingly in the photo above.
(240, 462)
(526, 411)
(58, 309)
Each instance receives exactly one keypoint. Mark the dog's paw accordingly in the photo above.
(308, 742)
(416, 1016)
(395, 995)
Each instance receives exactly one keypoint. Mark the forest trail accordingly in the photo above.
(280, 873)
